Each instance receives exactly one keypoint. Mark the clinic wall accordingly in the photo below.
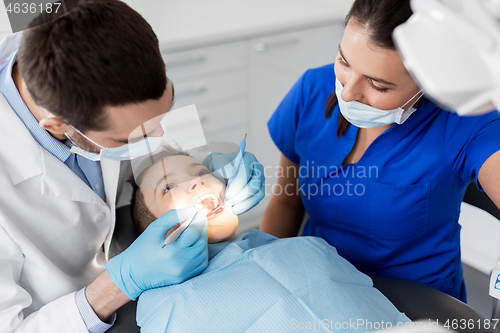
(5, 28)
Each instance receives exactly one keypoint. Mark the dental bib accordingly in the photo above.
(258, 283)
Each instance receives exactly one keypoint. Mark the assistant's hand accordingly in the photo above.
(248, 186)
(145, 264)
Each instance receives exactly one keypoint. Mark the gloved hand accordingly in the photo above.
(247, 188)
(145, 264)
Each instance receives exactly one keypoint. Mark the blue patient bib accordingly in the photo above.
(258, 283)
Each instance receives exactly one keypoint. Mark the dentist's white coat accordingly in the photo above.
(55, 232)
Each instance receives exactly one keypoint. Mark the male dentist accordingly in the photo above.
(82, 83)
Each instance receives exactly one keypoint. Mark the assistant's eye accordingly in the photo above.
(383, 90)
(343, 62)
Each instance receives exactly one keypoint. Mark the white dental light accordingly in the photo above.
(452, 49)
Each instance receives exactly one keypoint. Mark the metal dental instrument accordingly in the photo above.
(177, 232)
(238, 159)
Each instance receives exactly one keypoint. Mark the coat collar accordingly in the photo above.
(8, 46)
(23, 158)
(19, 153)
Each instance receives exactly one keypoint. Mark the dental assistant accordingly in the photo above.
(82, 83)
(380, 169)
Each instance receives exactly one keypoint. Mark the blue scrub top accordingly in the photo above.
(395, 212)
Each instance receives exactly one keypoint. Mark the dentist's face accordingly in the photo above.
(126, 120)
(370, 74)
(181, 181)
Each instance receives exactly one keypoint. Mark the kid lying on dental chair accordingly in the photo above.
(254, 282)
(179, 181)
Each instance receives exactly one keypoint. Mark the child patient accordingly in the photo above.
(176, 181)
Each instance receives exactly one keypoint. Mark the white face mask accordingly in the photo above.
(365, 116)
(126, 152)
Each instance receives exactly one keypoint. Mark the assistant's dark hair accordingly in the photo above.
(100, 53)
(141, 215)
(380, 18)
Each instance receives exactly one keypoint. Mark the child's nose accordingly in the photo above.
(194, 183)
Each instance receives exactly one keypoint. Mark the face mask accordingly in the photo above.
(126, 152)
(365, 116)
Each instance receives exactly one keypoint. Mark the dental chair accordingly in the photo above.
(421, 302)
(123, 236)
(416, 300)
(481, 201)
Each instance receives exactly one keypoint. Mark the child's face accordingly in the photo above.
(189, 183)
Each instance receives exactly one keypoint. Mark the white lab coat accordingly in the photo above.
(55, 232)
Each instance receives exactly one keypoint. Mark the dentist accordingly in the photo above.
(381, 170)
(72, 90)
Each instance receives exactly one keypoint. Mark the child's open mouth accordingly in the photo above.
(212, 204)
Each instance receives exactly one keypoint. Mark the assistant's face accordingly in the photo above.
(180, 182)
(372, 75)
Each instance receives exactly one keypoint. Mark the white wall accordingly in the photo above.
(4, 19)
(5, 28)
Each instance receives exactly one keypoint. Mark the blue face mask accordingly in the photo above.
(365, 116)
(126, 152)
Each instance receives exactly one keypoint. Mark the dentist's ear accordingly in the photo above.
(55, 125)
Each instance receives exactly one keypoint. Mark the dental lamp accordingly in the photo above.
(452, 50)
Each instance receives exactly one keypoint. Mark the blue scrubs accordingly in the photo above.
(395, 212)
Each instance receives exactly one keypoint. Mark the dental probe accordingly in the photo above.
(177, 232)
(238, 158)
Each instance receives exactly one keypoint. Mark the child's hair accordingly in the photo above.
(141, 215)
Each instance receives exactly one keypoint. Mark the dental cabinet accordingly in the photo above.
(236, 60)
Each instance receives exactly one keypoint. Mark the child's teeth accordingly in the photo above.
(214, 200)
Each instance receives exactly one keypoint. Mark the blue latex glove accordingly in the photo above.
(145, 264)
(247, 187)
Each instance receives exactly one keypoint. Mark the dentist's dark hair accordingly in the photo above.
(100, 53)
(380, 18)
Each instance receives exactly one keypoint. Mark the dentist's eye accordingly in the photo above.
(377, 87)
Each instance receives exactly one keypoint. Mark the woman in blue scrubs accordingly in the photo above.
(381, 170)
